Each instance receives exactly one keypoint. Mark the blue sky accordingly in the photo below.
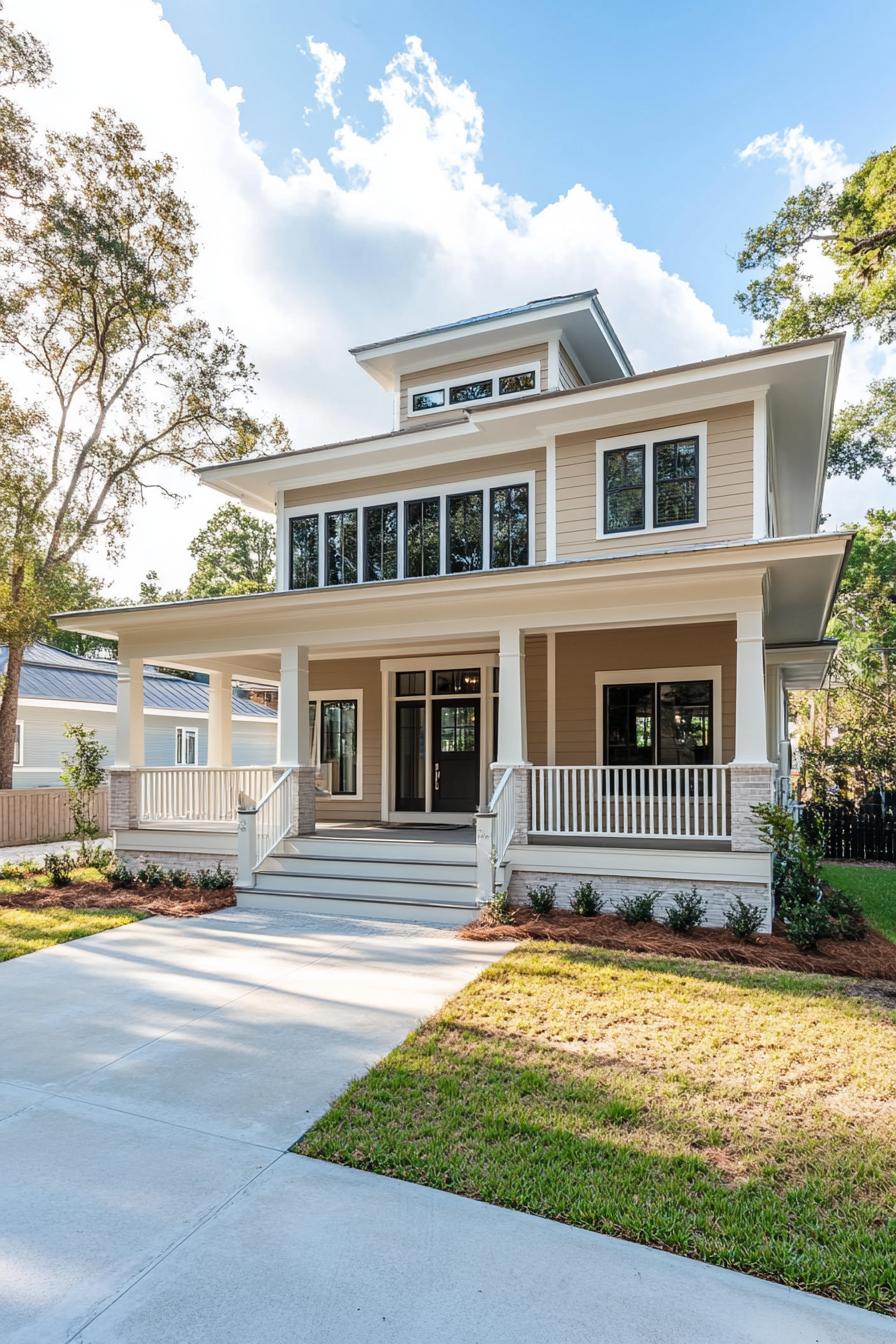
(646, 105)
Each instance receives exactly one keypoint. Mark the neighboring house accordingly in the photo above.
(59, 688)
(558, 597)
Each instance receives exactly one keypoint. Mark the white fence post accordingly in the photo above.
(246, 846)
(485, 856)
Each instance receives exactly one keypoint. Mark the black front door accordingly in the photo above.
(455, 755)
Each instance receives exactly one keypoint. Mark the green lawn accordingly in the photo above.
(874, 887)
(741, 1117)
(24, 930)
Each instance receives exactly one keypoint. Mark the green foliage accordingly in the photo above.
(234, 553)
(94, 855)
(498, 910)
(805, 923)
(686, 910)
(151, 874)
(586, 900)
(542, 897)
(82, 774)
(178, 877)
(743, 920)
(810, 910)
(846, 918)
(118, 874)
(637, 909)
(214, 879)
(58, 868)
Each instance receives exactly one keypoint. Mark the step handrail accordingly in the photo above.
(261, 827)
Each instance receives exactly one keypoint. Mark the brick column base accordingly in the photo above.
(750, 784)
(123, 799)
(302, 800)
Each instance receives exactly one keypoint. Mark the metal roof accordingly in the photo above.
(533, 306)
(53, 674)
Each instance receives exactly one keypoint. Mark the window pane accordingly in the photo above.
(456, 681)
(685, 709)
(516, 382)
(629, 724)
(624, 489)
(381, 544)
(338, 742)
(510, 526)
(461, 392)
(303, 552)
(675, 477)
(410, 683)
(341, 542)
(457, 728)
(429, 401)
(422, 546)
(465, 532)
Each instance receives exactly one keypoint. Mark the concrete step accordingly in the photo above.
(402, 851)
(362, 868)
(452, 915)
(411, 887)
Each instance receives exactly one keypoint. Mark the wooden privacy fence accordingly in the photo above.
(30, 815)
(861, 833)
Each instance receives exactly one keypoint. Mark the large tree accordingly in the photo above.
(853, 227)
(234, 553)
(126, 380)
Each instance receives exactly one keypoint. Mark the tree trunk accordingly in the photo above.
(9, 705)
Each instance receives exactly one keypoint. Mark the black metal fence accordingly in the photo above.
(861, 833)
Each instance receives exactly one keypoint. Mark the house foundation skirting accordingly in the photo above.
(191, 850)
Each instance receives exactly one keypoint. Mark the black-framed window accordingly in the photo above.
(509, 384)
(478, 389)
(464, 520)
(659, 723)
(304, 558)
(675, 481)
(624, 489)
(410, 683)
(509, 526)
(341, 546)
(381, 542)
(422, 546)
(339, 743)
(428, 401)
(456, 681)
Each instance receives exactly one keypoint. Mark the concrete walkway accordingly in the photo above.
(38, 852)
(152, 1077)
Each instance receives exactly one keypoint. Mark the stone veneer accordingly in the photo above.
(750, 784)
(192, 861)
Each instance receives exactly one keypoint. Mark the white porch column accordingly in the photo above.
(129, 713)
(293, 728)
(750, 728)
(512, 698)
(220, 719)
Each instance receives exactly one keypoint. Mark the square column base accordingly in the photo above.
(302, 804)
(750, 784)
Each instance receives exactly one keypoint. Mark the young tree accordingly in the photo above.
(234, 553)
(129, 382)
(854, 227)
(82, 774)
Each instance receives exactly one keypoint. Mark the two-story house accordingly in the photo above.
(542, 628)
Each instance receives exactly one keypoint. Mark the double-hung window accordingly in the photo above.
(423, 552)
(380, 542)
(186, 746)
(509, 523)
(304, 554)
(464, 532)
(649, 482)
(341, 546)
(17, 749)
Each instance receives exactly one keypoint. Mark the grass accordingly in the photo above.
(38, 881)
(23, 930)
(874, 887)
(741, 1117)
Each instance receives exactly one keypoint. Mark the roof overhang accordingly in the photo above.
(804, 667)
(578, 319)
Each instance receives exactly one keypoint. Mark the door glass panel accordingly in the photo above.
(685, 723)
(381, 544)
(465, 532)
(457, 728)
(422, 547)
(410, 756)
(456, 681)
(338, 742)
(629, 724)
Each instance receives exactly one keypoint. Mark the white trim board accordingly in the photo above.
(628, 676)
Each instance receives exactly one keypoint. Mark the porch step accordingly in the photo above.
(362, 884)
(359, 867)
(378, 849)
(452, 914)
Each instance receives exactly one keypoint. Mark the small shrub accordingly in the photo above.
(804, 924)
(214, 879)
(845, 915)
(743, 920)
(58, 868)
(118, 874)
(637, 909)
(586, 900)
(543, 897)
(94, 855)
(178, 877)
(151, 874)
(498, 910)
(686, 911)
(11, 872)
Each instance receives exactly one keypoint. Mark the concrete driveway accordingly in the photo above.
(151, 1079)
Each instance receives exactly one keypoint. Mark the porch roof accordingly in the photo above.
(795, 577)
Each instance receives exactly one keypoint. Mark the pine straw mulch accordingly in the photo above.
(872, 957)
(178, 902)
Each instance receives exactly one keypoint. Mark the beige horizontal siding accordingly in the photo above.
(580, 654)
(348, 674)
(466, 368)
(569, 374)
(424, 478)
(729, 483)
(536, 699)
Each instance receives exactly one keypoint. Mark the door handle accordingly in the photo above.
(438, 775)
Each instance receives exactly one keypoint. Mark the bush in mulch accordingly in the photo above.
(179, 902)
(873, 957)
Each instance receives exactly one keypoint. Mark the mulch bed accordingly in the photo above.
(179, 902)
(872, 957)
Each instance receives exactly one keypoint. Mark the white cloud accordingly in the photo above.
(330, 66)
(395, 230)
(805, 161)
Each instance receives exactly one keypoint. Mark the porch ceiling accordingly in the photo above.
(244, 634)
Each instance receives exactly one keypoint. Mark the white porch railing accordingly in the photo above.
(197, 793)
(502, 805)
(262, 827)
(494, 831)
(661, 802)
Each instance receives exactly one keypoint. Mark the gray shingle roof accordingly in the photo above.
(53, 674)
